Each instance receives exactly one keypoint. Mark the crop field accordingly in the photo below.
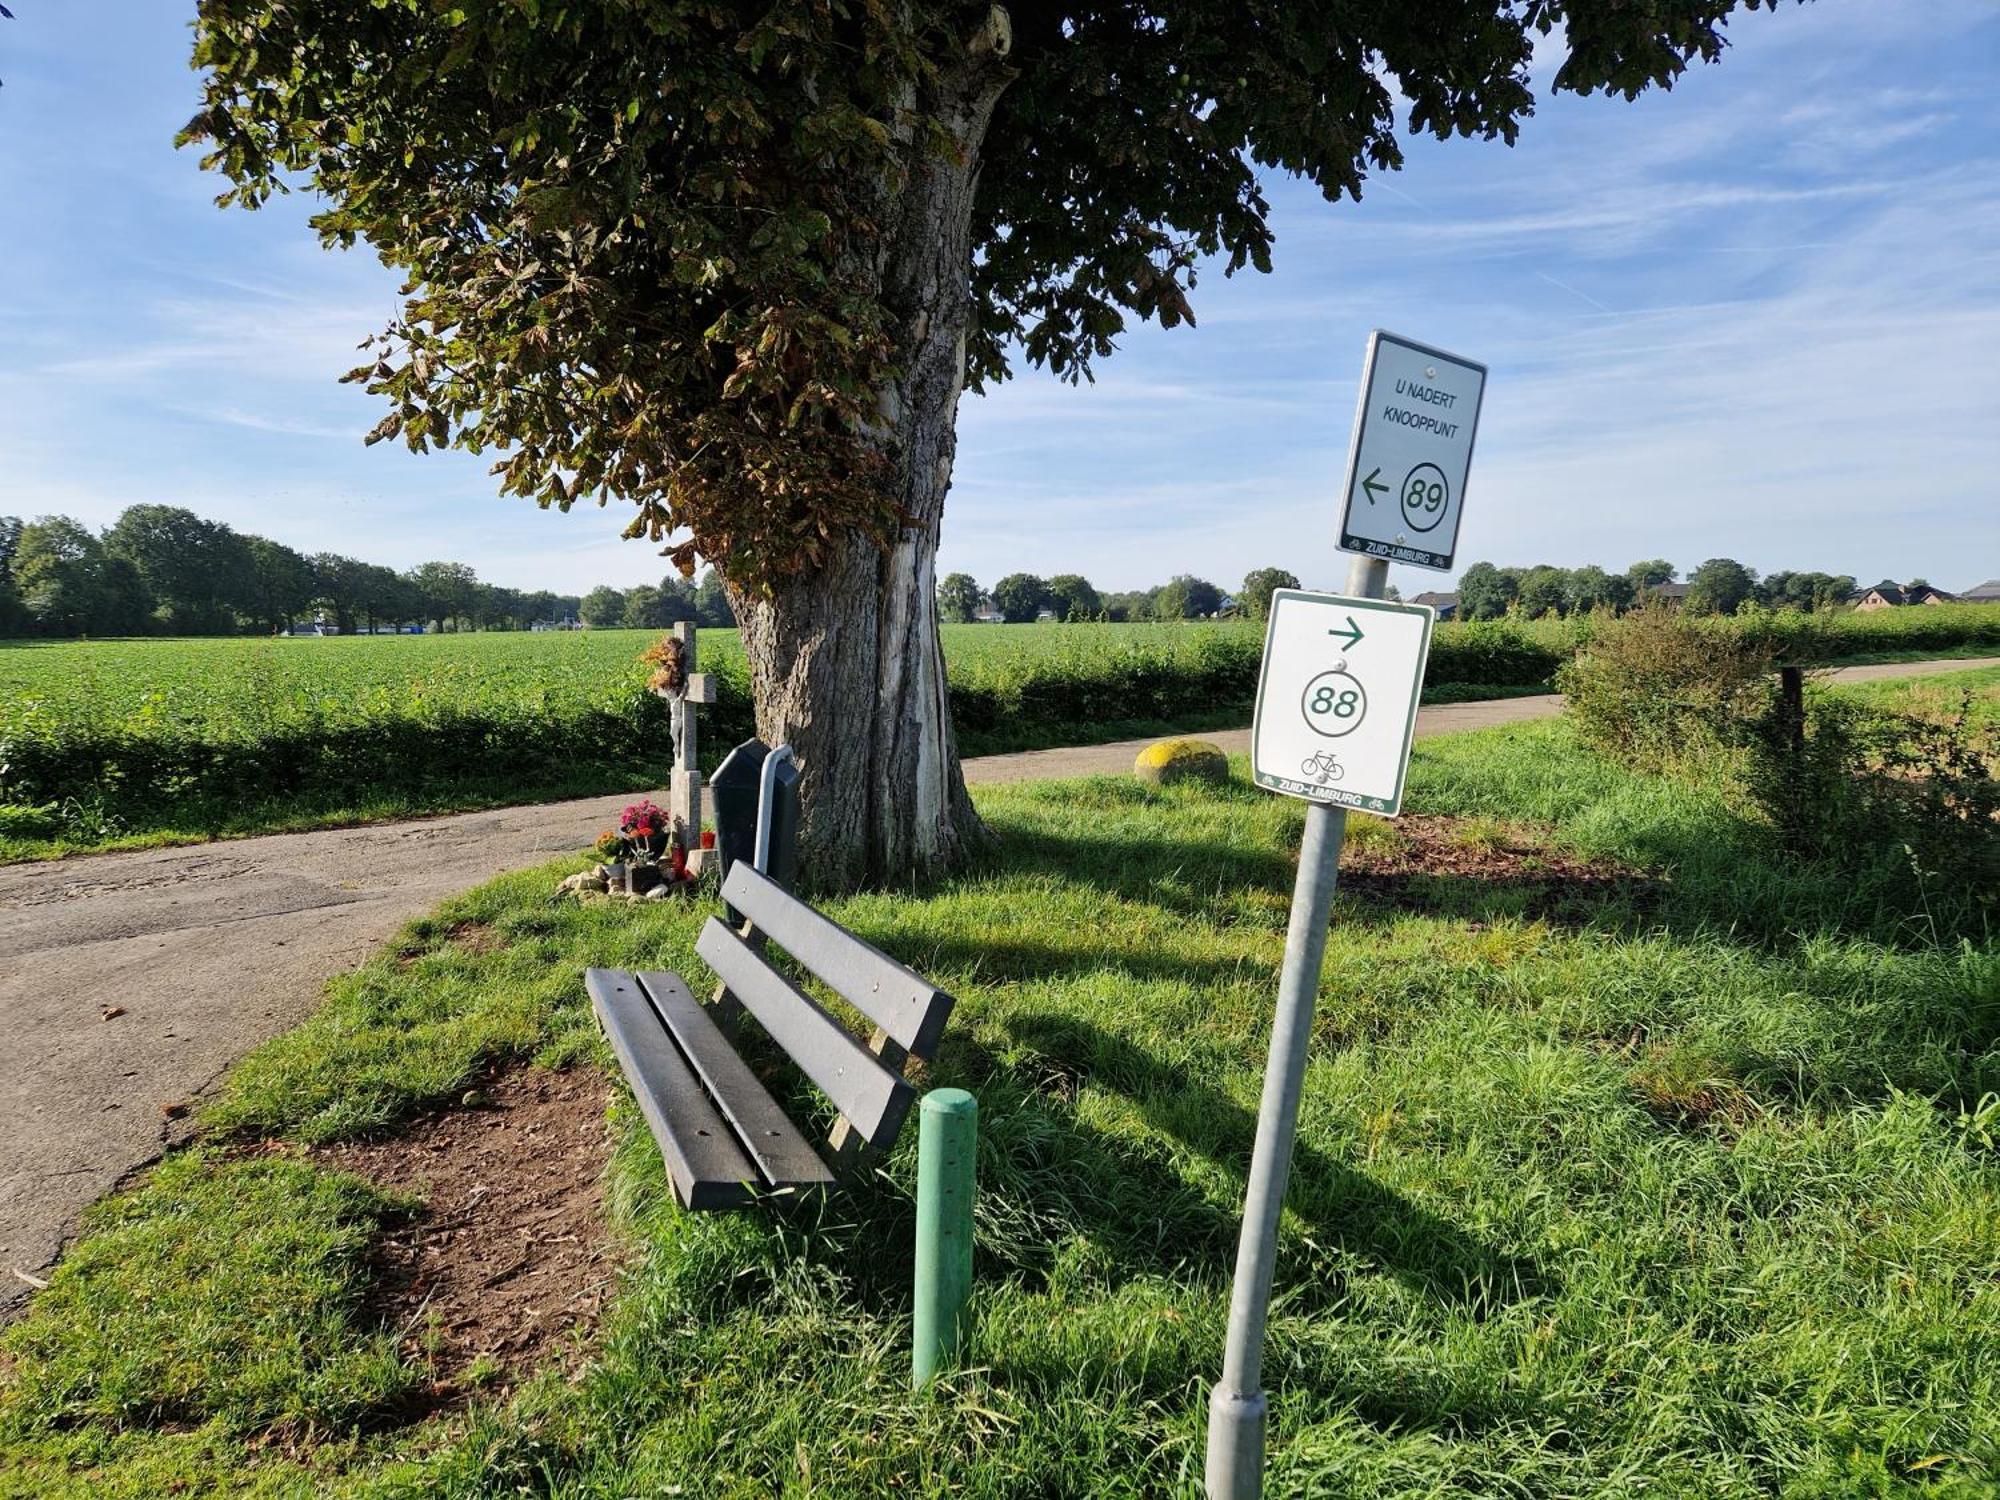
(114, 742)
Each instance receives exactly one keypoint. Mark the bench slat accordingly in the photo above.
(902, 1002)
(707, 1166)
(871, 1096)
(782, 1155)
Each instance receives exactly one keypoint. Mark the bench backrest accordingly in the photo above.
(865, 1082)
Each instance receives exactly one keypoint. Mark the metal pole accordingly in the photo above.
(767, 782)
(947, 1147)
(1237, 1406)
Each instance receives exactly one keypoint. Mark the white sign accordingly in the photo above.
(1337, 701)
(1412, 447)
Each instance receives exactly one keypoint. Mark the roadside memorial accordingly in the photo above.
(1336, 715)
(685, 689)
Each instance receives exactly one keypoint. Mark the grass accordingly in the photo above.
(1944, 696)
(130, 743)
(1682, 1186)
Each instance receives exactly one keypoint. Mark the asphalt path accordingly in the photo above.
(130, 981)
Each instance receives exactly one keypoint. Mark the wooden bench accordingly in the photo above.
(725, 1139)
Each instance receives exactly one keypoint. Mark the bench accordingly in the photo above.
(725, 1139)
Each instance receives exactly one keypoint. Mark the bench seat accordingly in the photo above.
(725, 1140)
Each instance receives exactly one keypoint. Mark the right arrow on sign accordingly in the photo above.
(1352, 635)
(1372, 484)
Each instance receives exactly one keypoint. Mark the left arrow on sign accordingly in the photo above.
(1373, 484)
(1352, 635)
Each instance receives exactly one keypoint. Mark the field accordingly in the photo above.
(105, 743)
(1635, 1158)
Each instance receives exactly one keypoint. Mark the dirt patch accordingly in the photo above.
(1402, 864)
(508, 1263)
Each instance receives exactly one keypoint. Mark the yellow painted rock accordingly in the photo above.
(1167, 761)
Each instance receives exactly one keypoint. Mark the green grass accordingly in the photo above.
(1944, 696)
(1677, 1187)
(118, 744)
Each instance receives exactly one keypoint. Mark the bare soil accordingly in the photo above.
(508, 1261)
(1403, 865)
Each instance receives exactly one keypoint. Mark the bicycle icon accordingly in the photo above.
(1323, 768)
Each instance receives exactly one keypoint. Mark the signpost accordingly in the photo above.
(1412, 447)
(1337, 701)
(1336, 712)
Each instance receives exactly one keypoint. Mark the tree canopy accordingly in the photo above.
(644, 239)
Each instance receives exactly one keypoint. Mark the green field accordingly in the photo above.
(1636, 1158)
(104, 743)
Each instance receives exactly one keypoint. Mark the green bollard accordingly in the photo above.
(947, 1142)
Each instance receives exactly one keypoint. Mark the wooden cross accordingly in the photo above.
(684, 798)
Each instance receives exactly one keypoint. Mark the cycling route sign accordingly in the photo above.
(1412, 448)
(1337, 699)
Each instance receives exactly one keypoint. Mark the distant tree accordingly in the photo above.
(1589, 587)
(1485, 592)
(1072, 597)
(1186, 597)
(679, 599)
(448, 591)
(602, 608)
(1544, 590)
(383, 596)
(70, 585)
(643, 609)
(1259, 585)
(1131, 604)
(713, 606)
(338, 585)
(1019, 597)
(198, 572)
(13, 616)
(1720, 586)
(958, 598)
(1916, 588)
(1390, 591)
(278, 585)
(1650, 573)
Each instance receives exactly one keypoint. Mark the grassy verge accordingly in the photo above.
(1683, 1185)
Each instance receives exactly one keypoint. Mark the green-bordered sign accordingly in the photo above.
(1412, 449)
(1337, 699)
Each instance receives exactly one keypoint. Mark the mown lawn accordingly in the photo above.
(1675, 1176)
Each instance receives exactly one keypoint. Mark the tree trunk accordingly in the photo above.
(845, 661)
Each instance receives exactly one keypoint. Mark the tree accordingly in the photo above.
(197, 572)
(1544, 590)
(958, 598)
(70, 585)
(1135, 604)
(1720, 586)
(713, 606)
(735, 265)
(1590, 587)
(1019, 597)
(13, 617)
(1185, 597)
(445, 590)
(1258, 587)
(1485, 592)
(643, 609)
(679, 600)
(602, 608)
(1650, 573)
(338, 585)
(277, 586)
(1072, 597)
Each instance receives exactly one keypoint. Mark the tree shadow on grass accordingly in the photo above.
(1128, 1195)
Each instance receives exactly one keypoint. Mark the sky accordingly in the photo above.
(1756, 316)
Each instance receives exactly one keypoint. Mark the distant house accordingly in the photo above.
(1987, 593)
(566, 623)
(1891, 595)
(1674, 593)
(1446, 604)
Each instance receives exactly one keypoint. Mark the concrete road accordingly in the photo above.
(129, 982)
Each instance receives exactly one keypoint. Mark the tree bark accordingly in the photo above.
(845, 661)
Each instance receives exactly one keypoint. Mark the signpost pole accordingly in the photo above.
(1236, 1407)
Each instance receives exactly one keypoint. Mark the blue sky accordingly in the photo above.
(1757, 316)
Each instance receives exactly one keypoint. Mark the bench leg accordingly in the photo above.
(846, 1143)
